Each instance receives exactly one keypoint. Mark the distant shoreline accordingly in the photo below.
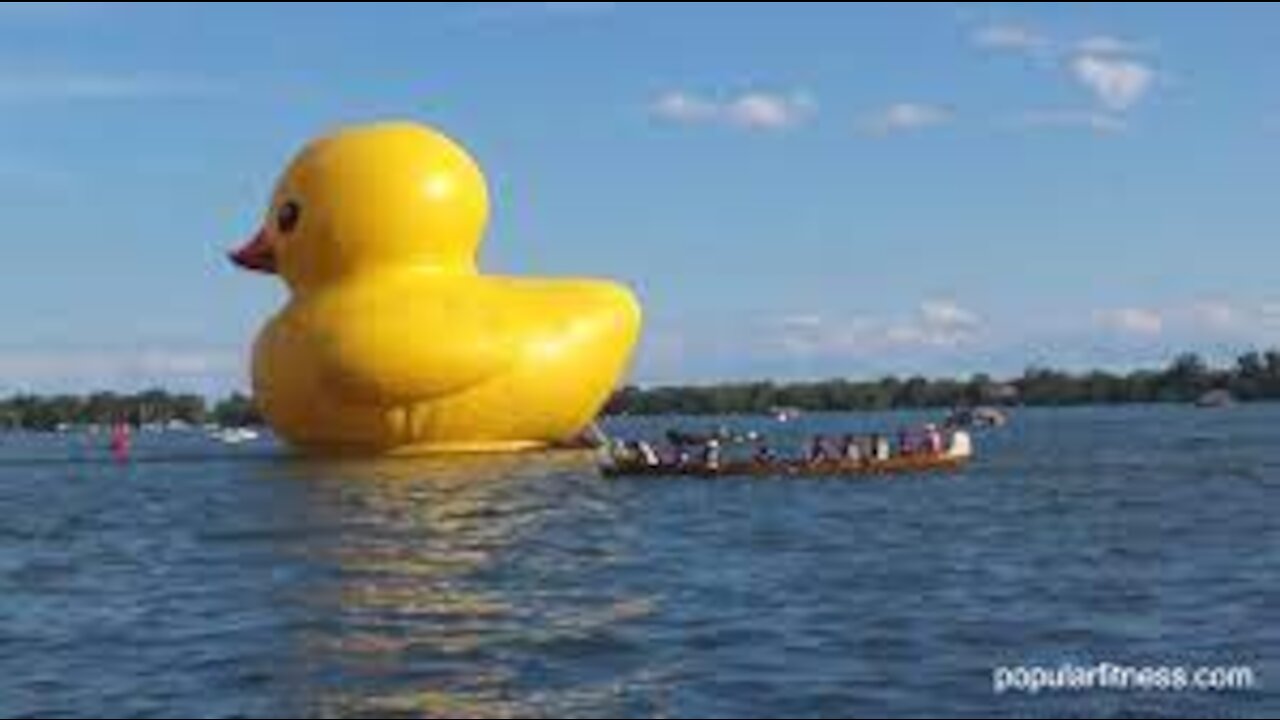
(935, 408)
(1188, 379)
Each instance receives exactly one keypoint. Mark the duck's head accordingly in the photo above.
(369, 197)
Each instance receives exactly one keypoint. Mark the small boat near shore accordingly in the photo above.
(1216, 399)
(983, 416)
(785, 414)
(235, 435)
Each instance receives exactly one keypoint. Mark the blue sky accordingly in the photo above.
(795, 190)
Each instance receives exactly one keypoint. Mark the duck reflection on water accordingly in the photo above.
(449, 586)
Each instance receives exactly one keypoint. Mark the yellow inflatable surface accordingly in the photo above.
(392, 342)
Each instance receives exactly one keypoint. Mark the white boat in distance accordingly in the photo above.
(235, 435)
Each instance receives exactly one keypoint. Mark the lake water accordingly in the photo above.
(208, 581)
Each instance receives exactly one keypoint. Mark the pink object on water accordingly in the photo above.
(120, 441)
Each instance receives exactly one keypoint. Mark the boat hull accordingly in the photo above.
(892, 466)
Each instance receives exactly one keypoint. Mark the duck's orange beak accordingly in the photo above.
(258, 255)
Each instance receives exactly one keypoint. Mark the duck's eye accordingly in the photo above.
(287, 217)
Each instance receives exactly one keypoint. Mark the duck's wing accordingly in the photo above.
(390, 347)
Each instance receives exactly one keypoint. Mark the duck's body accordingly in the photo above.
(411, 350)
(474, 364)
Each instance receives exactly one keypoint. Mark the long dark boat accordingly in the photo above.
(915, 463)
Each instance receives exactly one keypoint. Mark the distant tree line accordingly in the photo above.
(45, 413)
(1254, 376)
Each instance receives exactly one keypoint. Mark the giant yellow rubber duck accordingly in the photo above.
(392, 342)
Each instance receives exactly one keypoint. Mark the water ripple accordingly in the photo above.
(205, 583)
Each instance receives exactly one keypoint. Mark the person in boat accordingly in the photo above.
(763, 455)
(851, 449)
(961, 445)
(933, 439)
(623, 452)
(818, 450)
(880, 450)
(906, 442)
(711, 455)
(646, 454)
(682, 457)
(865, 450)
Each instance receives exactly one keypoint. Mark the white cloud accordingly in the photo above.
(1195, 323)
(941, 324)
(936, 324)
(802, 321)
(751, 111)
(1216, 316)
(1118, 83)
(947, 314)
(1132, 321)
(905, 116)
(1010, 37)
(1108, 45)
(682, 107)
(1021, 38)
(75, 86)
(1091, 120)
(765, 111)
(1107, 66)
(1222, 320)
